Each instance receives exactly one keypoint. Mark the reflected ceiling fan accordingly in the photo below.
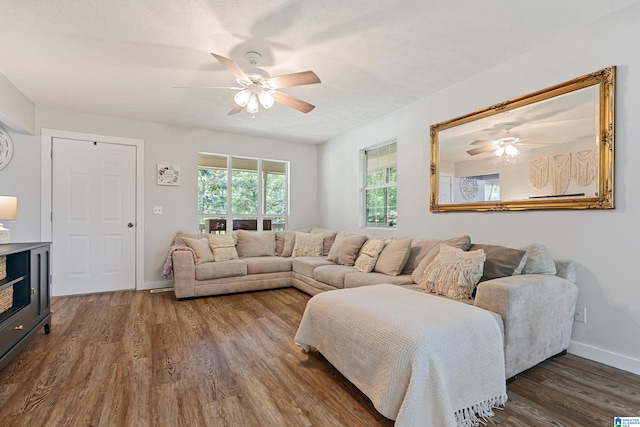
(505, 146)
(257, 88)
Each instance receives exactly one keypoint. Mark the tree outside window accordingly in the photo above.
(241, 193)
(380, 189)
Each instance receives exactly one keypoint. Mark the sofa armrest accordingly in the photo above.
(537, 311)
(184, 274)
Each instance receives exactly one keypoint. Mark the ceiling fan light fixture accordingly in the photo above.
(500, 151)
(266, 100)
(252, 105)
(242, 97)
(511, 150)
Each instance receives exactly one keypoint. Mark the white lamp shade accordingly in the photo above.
(8, 207)
(511, 150)
(252, 105)
(241, 98)
(266, 100)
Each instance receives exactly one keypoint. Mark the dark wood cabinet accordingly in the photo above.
(28, 277)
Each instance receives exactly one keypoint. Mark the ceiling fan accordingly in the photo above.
(257, 88)
(505, 146)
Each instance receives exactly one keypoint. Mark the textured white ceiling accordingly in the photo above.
(122, 57)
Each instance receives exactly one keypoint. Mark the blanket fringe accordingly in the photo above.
(478, 413)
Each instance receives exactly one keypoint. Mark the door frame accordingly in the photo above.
(46, 186)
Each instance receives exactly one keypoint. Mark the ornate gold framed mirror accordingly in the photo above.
(552, 149)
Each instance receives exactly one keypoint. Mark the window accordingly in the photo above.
(238, 193)
(380, 186)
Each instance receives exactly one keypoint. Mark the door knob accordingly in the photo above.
(130, 225)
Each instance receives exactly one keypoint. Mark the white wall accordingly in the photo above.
(602, 244)
(177, 145)
(16, 110)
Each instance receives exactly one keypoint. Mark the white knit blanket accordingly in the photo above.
(421, 359)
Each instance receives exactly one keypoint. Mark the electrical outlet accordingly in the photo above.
(157, 210)
(581, 315)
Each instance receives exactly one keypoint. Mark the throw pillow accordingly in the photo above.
(201, 248)
(500, 261)
(454, 272)
(223, 246)
(539, 261)
(285, 240)
(393, 257)
(307, 244)
(419, 249)
(369, 255)
(460, 242)
(257, 243)
(329, 238)
(180, 235)
(346, 248)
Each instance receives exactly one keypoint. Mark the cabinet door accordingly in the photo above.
(40, 278)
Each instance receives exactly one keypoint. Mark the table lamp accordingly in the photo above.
(8, 209)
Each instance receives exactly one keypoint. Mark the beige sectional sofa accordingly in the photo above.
(533, 295)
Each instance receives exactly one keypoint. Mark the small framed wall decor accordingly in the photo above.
(6, 148)
(167, 174)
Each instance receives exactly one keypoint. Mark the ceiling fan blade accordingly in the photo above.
(207, 87)
(294, 79)
(484, 142)
(290, 101)
(235, 110)
(481, 150)
(233, 67)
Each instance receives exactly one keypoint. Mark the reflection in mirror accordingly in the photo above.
(549, 150)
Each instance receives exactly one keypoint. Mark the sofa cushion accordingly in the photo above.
(460, 242)
(285, 241)
(201, 248)
(357, 279)
(393, 257)
(267, 264)
(454, 272)
(307, 244)
(369, 255)
(346, 248)
(257, 243)
(329, 237)
(218, 270)
(306, 265)
(332, 274)
(538, 260)
(223, 246)
(419, 249)
(500, 261)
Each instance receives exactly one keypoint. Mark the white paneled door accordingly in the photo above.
(93, 230)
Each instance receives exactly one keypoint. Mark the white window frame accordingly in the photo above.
(386, 185)
(260, 216)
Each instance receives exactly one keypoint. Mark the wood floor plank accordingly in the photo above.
(142, 359)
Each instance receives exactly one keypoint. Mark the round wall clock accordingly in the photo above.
(6, 148)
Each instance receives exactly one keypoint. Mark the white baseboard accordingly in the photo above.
(156, 285)
(607, 357)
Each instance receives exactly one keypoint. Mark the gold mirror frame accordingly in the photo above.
(602, 198)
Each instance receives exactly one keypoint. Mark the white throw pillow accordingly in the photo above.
(454, 272)
(223, 246)
(308, 244)
(369, 255)
(201, 248)
(393, 257)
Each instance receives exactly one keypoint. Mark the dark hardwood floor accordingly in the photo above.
(142, 359)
